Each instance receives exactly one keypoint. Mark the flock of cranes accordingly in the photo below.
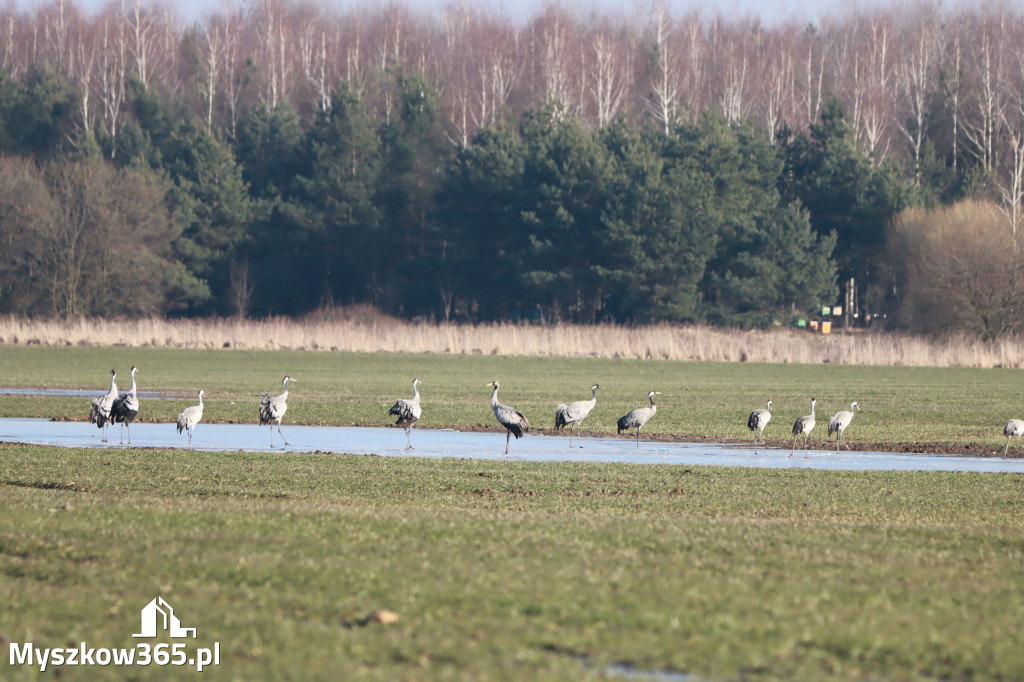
(113, 408)
(804, 425)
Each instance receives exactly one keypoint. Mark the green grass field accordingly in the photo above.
(902, 405)
(522, 571)
(512, 570)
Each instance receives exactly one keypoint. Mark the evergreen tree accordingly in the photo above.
(413, 150)
(212, 202)
(566, 174)
(656, 235)
(478, 202)
(844, 193)
(323, 237)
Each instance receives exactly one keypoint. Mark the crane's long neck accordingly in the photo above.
(415, 392)
(593, 394)
(132, 389)
(651, 398)
(113, 384)
(285, 394)
(494, 397)
(200, 401)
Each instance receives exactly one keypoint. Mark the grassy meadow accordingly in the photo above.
(513, 571)
(516, 570)
(906, 407)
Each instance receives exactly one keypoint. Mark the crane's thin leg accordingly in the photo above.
(280, 434)
(407, 439)
(579, 434)
(638, 436)
(122, 433)
(508, 438)
(1007, 448)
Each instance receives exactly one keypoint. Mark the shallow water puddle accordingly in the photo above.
(390, 441)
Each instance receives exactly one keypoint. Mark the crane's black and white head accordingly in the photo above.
(286, 380)
(595, 387)
(416, 381)
(854, 407)
(495, 384)
(652, 394)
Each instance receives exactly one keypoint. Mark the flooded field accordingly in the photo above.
(484, 445)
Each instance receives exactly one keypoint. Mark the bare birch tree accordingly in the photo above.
(915, 73)
(663, 101)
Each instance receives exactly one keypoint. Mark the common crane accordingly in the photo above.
(759, 419)
(509, 417)
(273, 409)
(804, 425)
(99, 412)
(638, 417)
(125, 408)
(839, 421)
(574, 413)
(408, 411)
(189, 417)
(1014, 427)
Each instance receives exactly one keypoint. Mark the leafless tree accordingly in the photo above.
(953, 87)
(813, 59)
(989, 62)
(275, 40)
(663, 101)
(958, 271)
(610, 64)
(556, 47)
(112, 65)
(916, 71)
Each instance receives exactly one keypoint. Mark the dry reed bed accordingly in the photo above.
(382, 333)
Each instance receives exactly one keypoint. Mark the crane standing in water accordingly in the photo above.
(125, 408)
(273, 409)
(574, 413)
(99, 412)
(189, 417)
(408, 412)
(509, 417)
(638, 417)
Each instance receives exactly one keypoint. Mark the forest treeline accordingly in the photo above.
(280, 157)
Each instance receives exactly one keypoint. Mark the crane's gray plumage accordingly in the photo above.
(574, 413)
(189, 417)
(1014, 427)
(125, 408)
(759, 419)
(509, 417)
(638, 417)
(99, 412)
(804, 425)
(408, 411)
(273, 409)
(839, 421)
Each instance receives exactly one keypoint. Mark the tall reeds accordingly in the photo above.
(374, 332)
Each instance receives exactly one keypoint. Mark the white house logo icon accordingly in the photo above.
(151, 620)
